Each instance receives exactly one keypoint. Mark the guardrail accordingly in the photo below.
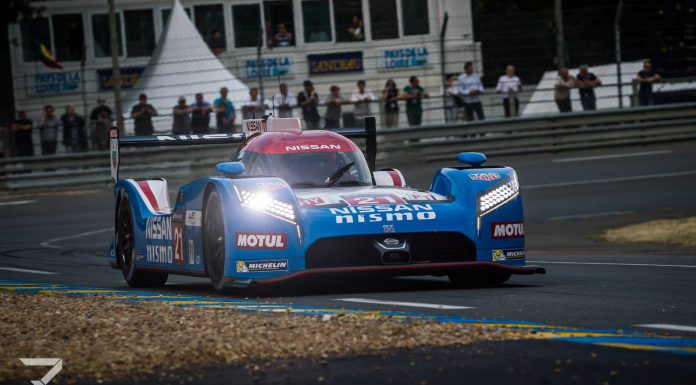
(549, 133)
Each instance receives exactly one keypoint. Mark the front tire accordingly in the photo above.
(214, 240)
(125, 250)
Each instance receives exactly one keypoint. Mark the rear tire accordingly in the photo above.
(125, 250)
(214, 240)
(478, 278)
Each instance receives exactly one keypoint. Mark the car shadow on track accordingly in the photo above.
(334, 286)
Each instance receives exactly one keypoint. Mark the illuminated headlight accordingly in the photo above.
(264, 202)
(498, 195)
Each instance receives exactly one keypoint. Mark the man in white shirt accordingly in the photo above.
(361, 99)
(253, 108)
(470, 87)
(284, 102)
(509, 85)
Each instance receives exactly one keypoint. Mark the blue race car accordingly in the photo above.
(293, 203)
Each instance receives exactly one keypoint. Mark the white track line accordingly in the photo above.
(609, 180)
(29, 271)
(17, 203)
(613, 264)
(611, 156)
(398, 303)
(49, 245)
(681, 328)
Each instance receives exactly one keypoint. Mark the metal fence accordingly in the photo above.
(549, 133)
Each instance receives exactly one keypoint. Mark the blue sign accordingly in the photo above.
(405, 57)
(335, 63)
(54, 83)
(271, 67)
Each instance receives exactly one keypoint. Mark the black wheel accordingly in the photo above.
(125, 249)
(214, 240)
(478, 278)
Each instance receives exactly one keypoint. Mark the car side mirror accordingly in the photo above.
(230, 168)
(472, 158)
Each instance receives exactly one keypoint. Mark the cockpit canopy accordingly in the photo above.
(309, 159)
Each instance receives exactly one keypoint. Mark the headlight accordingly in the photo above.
(264, 202)
(496, 196)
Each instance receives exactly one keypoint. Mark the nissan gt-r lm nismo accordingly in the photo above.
(293, 203)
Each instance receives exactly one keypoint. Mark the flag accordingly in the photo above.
(46, 57)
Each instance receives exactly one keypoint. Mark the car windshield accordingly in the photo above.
(309, 169)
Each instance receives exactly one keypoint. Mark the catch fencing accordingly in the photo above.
(526, 135)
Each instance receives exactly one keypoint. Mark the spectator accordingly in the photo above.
(74, 135)
(333, 108)
(283, 38)
(217, 43)
(142, 114)
(414, 94)
(22, 127)
(284, 101)
(181, 117)
(225, 114)
(586, 82)
(470, 87)
(270, 34)
(391, 97)
(253, 107)
(48, 131)
(356, 29)
(561, 91)
(101, 120)
(452, 100)
(361, 98)
(308, 100)
(200, 115)
(646, 77)
(510, 86)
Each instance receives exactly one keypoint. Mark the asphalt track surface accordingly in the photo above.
(569, 198)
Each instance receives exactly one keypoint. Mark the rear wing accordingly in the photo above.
(369, 133)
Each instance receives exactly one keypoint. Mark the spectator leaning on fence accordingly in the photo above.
(332, 118)
(101, 119)
(225, 114)
(253, 107)
(470, 87)
(414, 94)
(450, 93)
(22, 127)
(74, 135)
(284, 101)
(361, 98)
(561, 90)
(181, 117)
(509, 85)
(308, 100)
(142, 114)
(646, 77)
(391, 97)
(200, 115)
(586, 82)
(48, 131)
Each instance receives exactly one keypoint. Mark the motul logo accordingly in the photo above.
(507, 230)
(262, 240)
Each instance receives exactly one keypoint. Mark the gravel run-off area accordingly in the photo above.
(102, 339)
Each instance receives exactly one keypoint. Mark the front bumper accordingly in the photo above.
(394, 270)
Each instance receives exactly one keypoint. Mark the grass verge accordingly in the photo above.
(671, 231)
(101, 339)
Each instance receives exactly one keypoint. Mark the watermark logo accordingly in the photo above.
(55, 363)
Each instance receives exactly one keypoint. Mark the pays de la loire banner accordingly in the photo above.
(54, 83)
